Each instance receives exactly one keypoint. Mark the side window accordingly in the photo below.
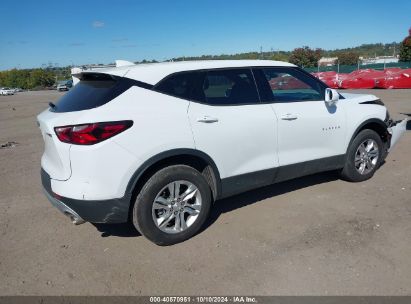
(229, 87)
(288, 85)
(178, 85)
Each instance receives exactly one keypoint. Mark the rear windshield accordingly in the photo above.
(92, 91)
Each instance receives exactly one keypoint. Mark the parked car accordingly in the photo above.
(159, 145)
(16, 90)
(65, 85)
(6, 91)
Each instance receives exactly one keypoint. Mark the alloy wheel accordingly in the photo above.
(366, 156)
(177, 206)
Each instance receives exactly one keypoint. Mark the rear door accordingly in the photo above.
(308, 129)
(231, 125)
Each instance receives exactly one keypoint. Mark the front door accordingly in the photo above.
(308, 129)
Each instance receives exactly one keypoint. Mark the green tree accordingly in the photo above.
(305, 57)
(31, 78)
(41, 78)
(348, 58)
(280, 56)
(405, 48)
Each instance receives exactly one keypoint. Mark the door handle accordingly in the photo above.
(289, 116)
(207, 119)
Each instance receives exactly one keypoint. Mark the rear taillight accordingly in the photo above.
(90, 134)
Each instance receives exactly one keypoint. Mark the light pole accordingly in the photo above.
(338, 69)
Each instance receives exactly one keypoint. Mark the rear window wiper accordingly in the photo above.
(52, 105)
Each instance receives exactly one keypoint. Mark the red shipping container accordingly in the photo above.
(362, 79)
(399, 80)
(331, 79)
(287, 83)
(392, 70)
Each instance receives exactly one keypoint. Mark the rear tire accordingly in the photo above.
(173, 205)
(364, 156)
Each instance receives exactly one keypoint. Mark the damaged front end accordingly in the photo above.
(395, 130)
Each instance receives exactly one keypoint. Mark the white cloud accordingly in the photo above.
(97, 24)
(76, 44)
(120, 40)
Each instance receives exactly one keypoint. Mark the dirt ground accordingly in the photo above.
(315, 235)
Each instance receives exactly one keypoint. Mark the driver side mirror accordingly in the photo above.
(331, 96)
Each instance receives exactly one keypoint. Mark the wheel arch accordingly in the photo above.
(374, 124)
(191, 157)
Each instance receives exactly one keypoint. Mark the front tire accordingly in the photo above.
(173, 205)
(364, 156)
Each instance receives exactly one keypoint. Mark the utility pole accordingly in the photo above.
(261, 52)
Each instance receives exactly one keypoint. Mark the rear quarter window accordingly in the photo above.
(179, 85)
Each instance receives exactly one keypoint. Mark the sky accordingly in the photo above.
(36, 33)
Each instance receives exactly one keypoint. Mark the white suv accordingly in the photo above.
(157, 144)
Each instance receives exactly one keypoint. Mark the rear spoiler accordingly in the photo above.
(119, 69)
(120, 63)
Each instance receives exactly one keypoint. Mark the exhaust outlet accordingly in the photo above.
(66, 210)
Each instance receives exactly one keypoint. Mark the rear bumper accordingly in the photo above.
(66, 210)
(80, 211)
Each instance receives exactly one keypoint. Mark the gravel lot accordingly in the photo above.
(312, 236)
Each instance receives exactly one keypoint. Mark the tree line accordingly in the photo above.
(307, 57)
(33, 78)
(303, 57)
